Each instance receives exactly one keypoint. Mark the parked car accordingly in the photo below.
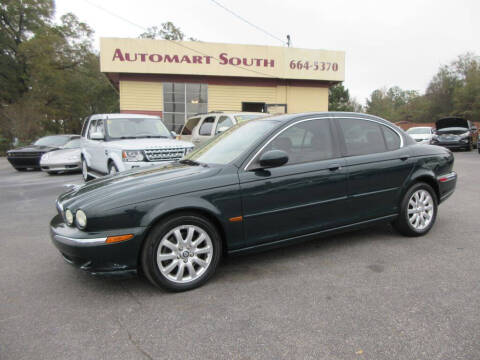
(66, 159)
(421, 134)
(202, 127)
(113, 143)
(28, 157)
(262, 183)
(455, 133)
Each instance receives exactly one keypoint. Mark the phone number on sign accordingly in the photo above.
(315, 65)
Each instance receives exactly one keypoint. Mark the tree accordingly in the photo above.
(339, 99)
(167, 31)
(19, 21)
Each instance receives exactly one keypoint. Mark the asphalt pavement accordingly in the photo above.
(368, 294)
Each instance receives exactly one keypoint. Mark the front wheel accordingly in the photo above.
(182, 252)
(418, 211)
(85, 175)
(112, 168)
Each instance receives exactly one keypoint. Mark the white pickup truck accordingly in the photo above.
(112, 143)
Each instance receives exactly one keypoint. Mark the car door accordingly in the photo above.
(304, 195)
(88, 143)
(99, 150)
(377, 164)
(204, 130)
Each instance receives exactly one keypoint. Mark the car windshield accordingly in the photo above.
(226, 147)
(129, 128)
(72, 144)
(55, 140)
(420, 130)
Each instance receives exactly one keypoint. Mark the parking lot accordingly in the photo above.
(369, 294)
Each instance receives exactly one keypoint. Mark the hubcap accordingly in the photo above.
(184, 253)
(420, 209)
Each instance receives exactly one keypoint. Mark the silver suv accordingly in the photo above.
(202, 127)
(112, 143)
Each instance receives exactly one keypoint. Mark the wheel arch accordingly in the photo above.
(202, 208)
(426, 177)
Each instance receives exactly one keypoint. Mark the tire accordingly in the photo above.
(202, 260)
(403, 224)
(20, 169)
(52, 172)
(112, 168)
(85, 175)
(470, 146)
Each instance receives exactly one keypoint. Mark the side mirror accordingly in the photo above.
(273, 158)
(222, 129)
(174, 134)
(97, 136)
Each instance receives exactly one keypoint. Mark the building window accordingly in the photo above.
(180, 101)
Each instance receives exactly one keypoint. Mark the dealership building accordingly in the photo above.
(177, 79)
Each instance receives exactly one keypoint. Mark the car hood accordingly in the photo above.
(62, 154)
(33, 148)
(452, 131)
(420, 136)
(143, 144)
(451, 122)
(139, 185)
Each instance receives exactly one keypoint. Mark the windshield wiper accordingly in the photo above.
(152, 136)
(127, 137)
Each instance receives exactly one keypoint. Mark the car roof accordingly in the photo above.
(123, 116)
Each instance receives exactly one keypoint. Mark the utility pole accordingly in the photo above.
(288, 40)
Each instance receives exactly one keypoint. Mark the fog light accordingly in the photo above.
(81, 219)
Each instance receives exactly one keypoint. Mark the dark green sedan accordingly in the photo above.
(261, 184)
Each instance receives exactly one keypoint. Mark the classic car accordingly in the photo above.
(66, 159)
(28, 157)
(455, 133)
(260, 184)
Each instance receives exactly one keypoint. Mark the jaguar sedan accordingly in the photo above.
(263, 183)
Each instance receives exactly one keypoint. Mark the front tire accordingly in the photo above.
(418, 211)
(85, 175)
(112, 168)
(182, 252)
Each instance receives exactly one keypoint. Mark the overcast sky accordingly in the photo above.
(386, 42)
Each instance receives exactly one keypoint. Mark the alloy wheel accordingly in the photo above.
(184, 253)
(420, 210)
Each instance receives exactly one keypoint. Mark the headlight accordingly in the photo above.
(69, 217)
(187, 150)
(132, 155)
(464, 135)
(81, 219)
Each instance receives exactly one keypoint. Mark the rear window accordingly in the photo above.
(189, 126)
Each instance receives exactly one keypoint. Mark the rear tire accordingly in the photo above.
(182, 252)
(20, 169)
(418, 211)
(52, 172)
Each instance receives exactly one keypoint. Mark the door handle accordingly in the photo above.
(334, 167)
(403, 158)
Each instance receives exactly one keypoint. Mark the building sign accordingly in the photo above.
(216, 59)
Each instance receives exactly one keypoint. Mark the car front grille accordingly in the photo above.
(165, 154)
(25, 154)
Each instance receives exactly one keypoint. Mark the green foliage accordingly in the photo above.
(53, 75)
(454, 90)
(339, 99)
(167, 31)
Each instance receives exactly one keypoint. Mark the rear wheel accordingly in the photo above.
(52, 172)
(182, 252)
(21, 169)
(85, 175)
(418, 211)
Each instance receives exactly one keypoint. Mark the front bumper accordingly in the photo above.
(24, 162)
(452, 145)
(128, 165)
(67, 166)
(89, 251)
